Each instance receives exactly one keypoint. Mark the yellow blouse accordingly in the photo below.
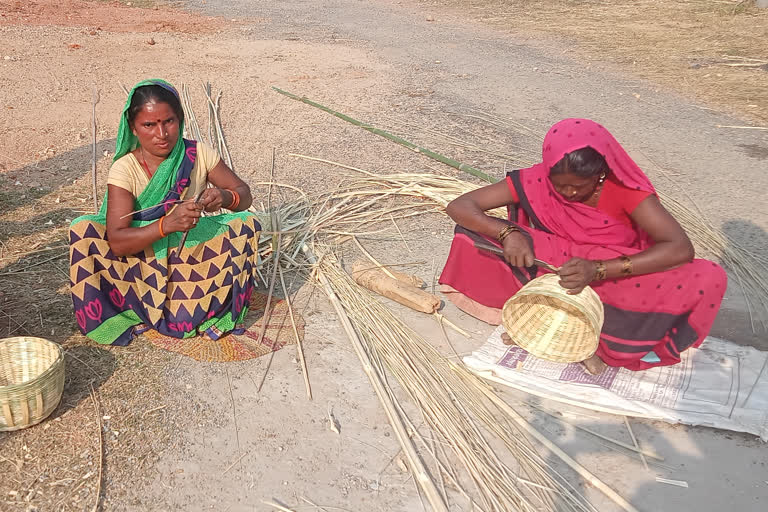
(128, 173)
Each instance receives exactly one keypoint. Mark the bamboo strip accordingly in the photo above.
(645, 452)
(393, 138)
(93, 163)
(299, 344)
(101, 450)
(634, 441)
(556, 450)
(373, 260)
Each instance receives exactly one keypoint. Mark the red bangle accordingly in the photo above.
(235, 199)
(160, 227)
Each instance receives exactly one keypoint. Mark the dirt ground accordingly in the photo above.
(713, 51)
(473, 80)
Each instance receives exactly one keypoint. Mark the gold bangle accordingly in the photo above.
(600, 271)
(505, 232)
(626, 266)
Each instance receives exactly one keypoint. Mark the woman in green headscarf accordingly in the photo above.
(126, 272)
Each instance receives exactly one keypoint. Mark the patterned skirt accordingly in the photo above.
(204, 288)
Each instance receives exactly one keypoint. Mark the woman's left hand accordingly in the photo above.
(576, 274)
(212, 199)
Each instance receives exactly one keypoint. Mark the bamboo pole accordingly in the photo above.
(394, 138)
(418, 469)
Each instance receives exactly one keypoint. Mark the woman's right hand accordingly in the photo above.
(517, 250)
(183, 217)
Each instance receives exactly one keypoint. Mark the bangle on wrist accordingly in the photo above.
(600, 271)
(626, 266)
(160, 226)
(505, 232)
(235, 199)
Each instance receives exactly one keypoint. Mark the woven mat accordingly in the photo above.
(241, 346)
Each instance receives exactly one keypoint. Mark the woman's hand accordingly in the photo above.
(576, 274)
(517, 250)
(213, 199)
(183, 217)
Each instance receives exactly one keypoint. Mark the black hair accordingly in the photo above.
(149, 93)
(584, 162)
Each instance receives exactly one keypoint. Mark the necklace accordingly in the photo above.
(144, 162)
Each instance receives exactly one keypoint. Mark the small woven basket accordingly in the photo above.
(545, 320)
(31, 381)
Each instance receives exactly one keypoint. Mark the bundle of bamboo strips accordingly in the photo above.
(457, 406)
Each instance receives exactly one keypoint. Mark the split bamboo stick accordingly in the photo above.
(93, 163)
(394, 138)
(556, 450)
(299, 344)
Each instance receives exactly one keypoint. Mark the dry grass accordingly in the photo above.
(713, 50)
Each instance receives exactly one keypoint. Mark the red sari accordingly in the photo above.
(664, 312)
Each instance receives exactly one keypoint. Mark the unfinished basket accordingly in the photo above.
(545, 320)
(31, 381)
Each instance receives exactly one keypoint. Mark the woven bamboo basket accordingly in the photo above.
(545, 320)
(31, 381)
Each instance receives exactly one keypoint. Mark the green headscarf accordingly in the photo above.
(165, 175)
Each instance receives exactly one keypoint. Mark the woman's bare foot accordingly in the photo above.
(506, 339)
(594, 365)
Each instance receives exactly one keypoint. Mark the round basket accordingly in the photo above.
(31, 381)
(545, 320)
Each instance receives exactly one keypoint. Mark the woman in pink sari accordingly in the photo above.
(589, 209)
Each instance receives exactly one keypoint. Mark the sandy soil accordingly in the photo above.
(181, 435)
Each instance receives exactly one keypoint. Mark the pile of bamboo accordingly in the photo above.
(475, 445)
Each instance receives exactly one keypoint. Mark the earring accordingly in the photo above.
(602, 178)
